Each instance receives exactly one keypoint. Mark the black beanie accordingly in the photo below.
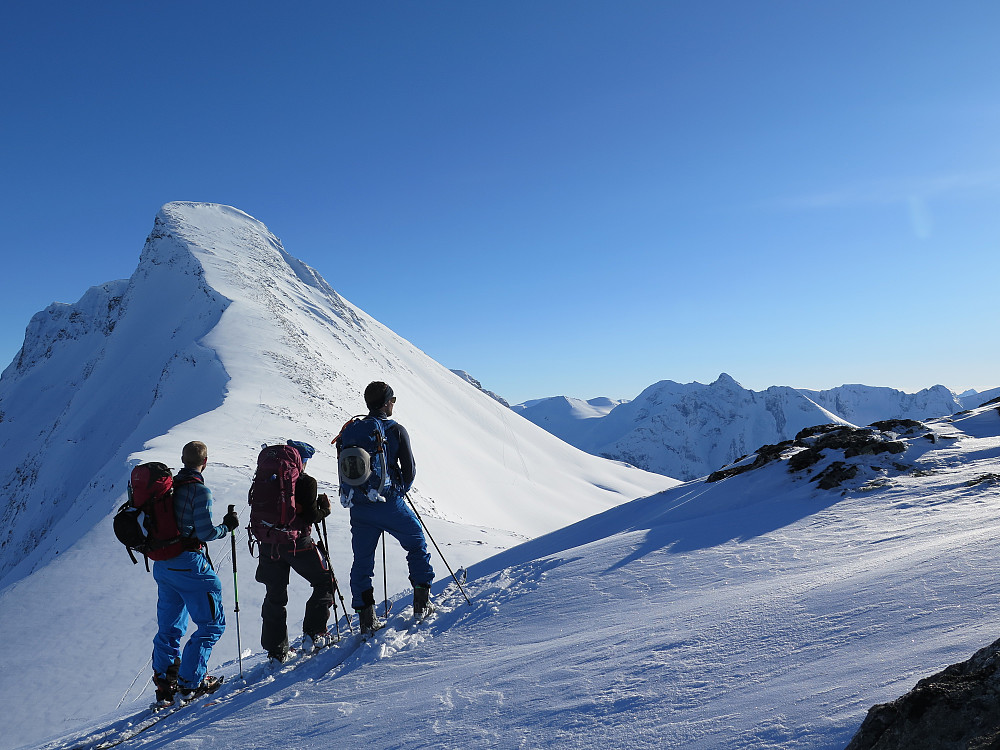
(377, 395)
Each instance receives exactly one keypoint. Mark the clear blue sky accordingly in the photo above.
(561, 197)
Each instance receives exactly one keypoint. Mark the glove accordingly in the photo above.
(230, 521)
(322, 507)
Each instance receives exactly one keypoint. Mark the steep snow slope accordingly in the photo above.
(754, 613)
(221, 335)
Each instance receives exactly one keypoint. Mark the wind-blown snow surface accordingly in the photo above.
(753, 613)
(689, 430)
(221, 335)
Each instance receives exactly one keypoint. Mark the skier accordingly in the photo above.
(370, 519)
(188, 587)
(302, 556)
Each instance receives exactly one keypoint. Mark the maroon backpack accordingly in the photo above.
(272, 496)
(145, 523)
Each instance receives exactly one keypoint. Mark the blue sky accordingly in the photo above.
(578, 198)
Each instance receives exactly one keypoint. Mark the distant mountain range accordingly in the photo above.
(688, 430)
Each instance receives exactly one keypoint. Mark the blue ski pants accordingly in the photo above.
(187, 588)
(368, 521)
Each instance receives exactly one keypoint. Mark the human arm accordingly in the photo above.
(406, 464)
(308, 505)
(204, 529)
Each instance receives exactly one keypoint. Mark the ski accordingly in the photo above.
(156, 715)
(147, 718)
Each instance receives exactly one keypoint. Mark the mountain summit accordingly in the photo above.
(220, 335)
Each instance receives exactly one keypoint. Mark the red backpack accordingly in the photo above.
(272, 496)
(145, 523)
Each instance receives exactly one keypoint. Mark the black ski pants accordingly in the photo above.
(273, 568)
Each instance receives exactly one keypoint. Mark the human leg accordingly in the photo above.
(402, 524)
(201, 590)
(365, 533)
(273, 573)
(309, 564)
(171, 620)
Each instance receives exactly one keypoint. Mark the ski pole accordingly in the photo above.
(325, 548)
(333, 580)
(453, 576)
(236, 594)
(385, 581)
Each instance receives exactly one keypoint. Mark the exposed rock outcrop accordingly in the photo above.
(836, 453)
(955, 709)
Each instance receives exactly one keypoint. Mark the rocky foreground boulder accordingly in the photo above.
(958, 708)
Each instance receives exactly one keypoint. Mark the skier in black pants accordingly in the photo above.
(302, 556)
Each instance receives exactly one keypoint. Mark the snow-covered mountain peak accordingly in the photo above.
(224, 239)
(726, 382)
(220, 335)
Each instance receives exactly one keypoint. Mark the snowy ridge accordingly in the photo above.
(864, 404)
(221, 335)
(754, 613)
(88, 384)
(479, 386)
(563, 416)
(689, 430)
(974, 399)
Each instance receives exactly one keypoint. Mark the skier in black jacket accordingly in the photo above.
(302, 556)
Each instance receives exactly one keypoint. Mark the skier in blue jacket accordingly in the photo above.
(188, 587)
(370, 519)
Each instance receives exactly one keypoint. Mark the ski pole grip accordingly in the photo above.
(232, 508)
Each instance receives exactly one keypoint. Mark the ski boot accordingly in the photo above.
(422, 605)
(208, 686)
(367, 621)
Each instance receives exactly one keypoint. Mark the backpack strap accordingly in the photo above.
(346, 424)
(191, 544)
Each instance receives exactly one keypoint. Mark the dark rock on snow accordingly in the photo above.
(958, 708)
(814, 444)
